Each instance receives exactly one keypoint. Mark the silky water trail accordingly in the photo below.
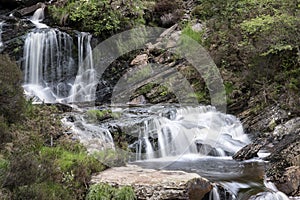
(193, 139)
(51, 74)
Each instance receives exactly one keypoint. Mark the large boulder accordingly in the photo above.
(155, 184)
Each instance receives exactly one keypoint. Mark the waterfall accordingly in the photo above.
(48, 64)
(201, 130)
(38, 17)
(214, 194)
(47, 60)
(1, 27)
(272, 194)
(84, 87)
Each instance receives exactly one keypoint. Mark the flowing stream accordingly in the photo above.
(194, 139)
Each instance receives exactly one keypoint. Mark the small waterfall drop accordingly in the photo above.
(201, 130)
(84, 87)
(272, 194)
(47, 60)
(38, 17)
(214, 194)
(1, 31)
(95, 138)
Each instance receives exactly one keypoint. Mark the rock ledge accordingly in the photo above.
(155, 184)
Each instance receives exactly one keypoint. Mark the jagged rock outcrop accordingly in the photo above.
(154, 184)
(284, 145)
(13, 36)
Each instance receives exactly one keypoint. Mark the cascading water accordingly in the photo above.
(201, 130)
(95, 138)
(194, 139)
(1, 27)
(84, 87)
(49, 67)
(47, 61)
(38, 17)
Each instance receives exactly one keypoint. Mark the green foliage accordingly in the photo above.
(11, 93)
(195, 35)
(38, 170)
(102, 17)
(67, 160)
(146, 88)
(42, 191)
(99, 115)
(201, 96)
(106, 192)
(258, 39)
(4, 166)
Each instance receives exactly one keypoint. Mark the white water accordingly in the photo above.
(84, 87)
(1, 27)
(214, 194)
(201, 130)
(47, 59)
(92, 136)
(272, 194)
(38, 17)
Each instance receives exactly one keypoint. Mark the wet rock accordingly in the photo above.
(28, 10)
(264, 121)
(290, 126)
(290, 181)
(140, 100)
(13, 32)
(285, 163)
(154, 184)
(249, 151)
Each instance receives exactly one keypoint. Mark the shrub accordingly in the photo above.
(5, 135)
(12, 101)
(168, 12)
(99, 16)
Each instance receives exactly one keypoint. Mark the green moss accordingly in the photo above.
(195, 35)
(146, 88)
(106, 192)
(201, 96)
(99, 115)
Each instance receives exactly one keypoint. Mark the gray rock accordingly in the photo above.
(290, 181)
(154, 184)
(290, 126)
